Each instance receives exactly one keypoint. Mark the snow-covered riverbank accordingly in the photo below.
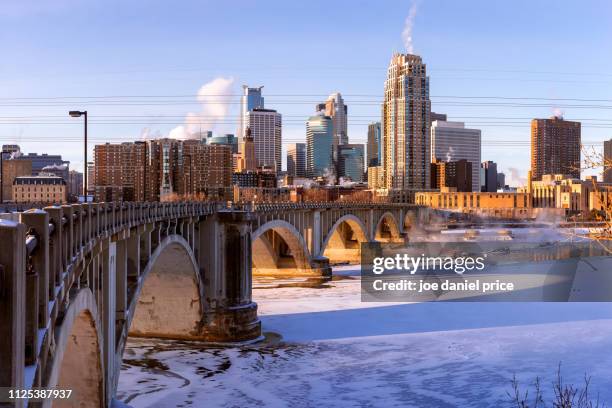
(337, 351)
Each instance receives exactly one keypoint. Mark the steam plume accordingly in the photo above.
(408, 25)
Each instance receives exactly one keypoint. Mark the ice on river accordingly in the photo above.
(337, 351)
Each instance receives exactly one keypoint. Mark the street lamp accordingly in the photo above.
(77, 114)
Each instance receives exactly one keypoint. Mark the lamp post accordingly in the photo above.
(77, 114)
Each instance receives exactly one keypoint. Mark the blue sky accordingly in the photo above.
(300, 52)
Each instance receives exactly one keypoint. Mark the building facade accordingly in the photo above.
(251, 99)
(452, 174)
(336, 109)
(607, 164)
(40, 189)
(452, 141)
(265, 126)
(489, 172)
(350, 162)
(11, 169)
(555, 147)
(406, 124)
(161, 169)
(75, 184)
(319, 140)
(296, 160)
(374, 145)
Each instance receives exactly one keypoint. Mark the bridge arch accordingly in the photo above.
(387, 228)
(342, 243)
(278, 247)
(168, 301)
(79, 344)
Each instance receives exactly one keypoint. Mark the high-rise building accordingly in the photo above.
(452, 141)
(75, 184)
(374, 145)
(319, 140)
(405, 125)
(247, 153)
(296, 160)
(501, 181)
(555, 147)
(266, 129)
(607, 164)
(350, 162)
(226, 139)
(489, 169)
(251, 99)
(454, 174)
(157, 169)
(335, 108)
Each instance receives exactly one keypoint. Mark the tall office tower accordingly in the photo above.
(335, 108)
(251, 99)
(501, 181)
(247, 153)
(489, 169)
(350, 162)
(75, 184)
(607, 165)
(296, 160)
(320, 141)
(405, 124)
(555, 147)
(266, 130)
(374, 145)
(452, 141)
(457, 174)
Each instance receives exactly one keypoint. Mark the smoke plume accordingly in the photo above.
(408, 25)
(515, 178)
(214, 97)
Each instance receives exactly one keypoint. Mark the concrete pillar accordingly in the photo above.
(133, 251)
(38, 222)
(317, 233)
(121, 279)
(235, 316)
(371, 225)
(108, 315)
(12, 305)
(207, 255)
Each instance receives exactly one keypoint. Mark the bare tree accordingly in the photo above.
(564, 395)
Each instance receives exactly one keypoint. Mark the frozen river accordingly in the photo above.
(325, 347)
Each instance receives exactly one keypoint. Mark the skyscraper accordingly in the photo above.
(489, 169)
(296, 159)
(607, 165)
(405, 124)
(251, 99)
(374, 145)
(335, 108)
(319, 140)
(452, 141)
(555, 147)
(247, 153)
(350, 162)
(266, 127)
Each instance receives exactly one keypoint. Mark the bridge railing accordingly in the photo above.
(39, 253)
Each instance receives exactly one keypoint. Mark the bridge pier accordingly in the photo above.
(233, 314)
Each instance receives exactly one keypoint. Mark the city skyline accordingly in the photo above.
(126, 65)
